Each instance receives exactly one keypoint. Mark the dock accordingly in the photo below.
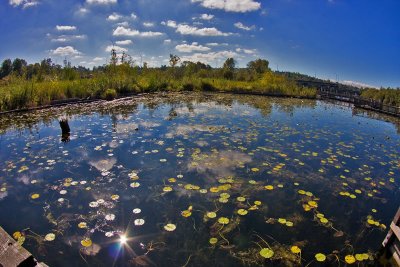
(340, 92)
(12, 254)
(391, 243)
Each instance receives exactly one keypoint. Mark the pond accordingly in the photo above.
(199, 180)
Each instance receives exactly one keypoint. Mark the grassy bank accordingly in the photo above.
(17, 92)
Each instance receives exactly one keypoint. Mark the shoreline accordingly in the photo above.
(71, 101)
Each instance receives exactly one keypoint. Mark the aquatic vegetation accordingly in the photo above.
(266, 253)
(86, 242)
(170, 227)
(50, 237)
(200, 179)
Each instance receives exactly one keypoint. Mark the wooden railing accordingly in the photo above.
(358, 101)
(391, 243)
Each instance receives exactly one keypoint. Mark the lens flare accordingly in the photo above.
(123, 239)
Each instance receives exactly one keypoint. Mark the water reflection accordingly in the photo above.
(199, 179)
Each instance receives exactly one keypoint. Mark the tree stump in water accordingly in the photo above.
(65, 130)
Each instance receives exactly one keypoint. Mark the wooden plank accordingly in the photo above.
(396, 230)
(11, 253)
(396, 219)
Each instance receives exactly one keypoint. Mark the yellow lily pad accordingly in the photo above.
(320, 257)
(170, 227)
(266, 253)
(223, 220)
(82, 225)
(242, 212)
(223, 200)
(241, 199)
(349, 259)
(359, 257)
(50, 237)
(282, 220)
(289, 224)
(213, 241)
(35, 196)
(86, 242)
(186, 213)
(167, 189)
(324, 220)
(312, 204)
(17, 235)
(211, 214)
(295, 249)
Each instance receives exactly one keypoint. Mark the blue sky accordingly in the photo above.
(349, 40)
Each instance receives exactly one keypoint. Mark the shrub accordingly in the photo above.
(109, 94)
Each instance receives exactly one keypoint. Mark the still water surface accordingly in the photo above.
(201, 180)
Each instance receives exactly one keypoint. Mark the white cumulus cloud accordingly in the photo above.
(206, 16)
(98, 59)
(23, 3)
(114, 16)
(68, 38)
(65, 51)
(101, 2)
(118, 49)
(185, 29)
(148, 24)
(124, 42)
(189, 48)
(210, 57)
(123, 31)
(247, 51)
(217, 44)
(192, 30)
(230, 5)
(241, 26)
(65, 28)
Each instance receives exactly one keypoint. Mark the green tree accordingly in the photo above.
(229, 64)
(259, 65)
(18, 66)
(6, 68)
(229, 68)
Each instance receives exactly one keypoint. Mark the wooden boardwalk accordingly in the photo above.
(341, 92)
(391, 243)
(359, 102)
(13, 254)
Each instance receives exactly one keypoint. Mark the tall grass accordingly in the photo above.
(18, 93)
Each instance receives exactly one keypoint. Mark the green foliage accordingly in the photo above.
(6, 68)
(45, 82)
(229, 64)
(259, 65)
(18, 66)
(109, 94)
(386, 96)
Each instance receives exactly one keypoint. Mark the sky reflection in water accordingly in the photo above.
(277, 173)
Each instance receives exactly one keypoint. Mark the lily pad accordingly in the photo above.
(266, 253)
